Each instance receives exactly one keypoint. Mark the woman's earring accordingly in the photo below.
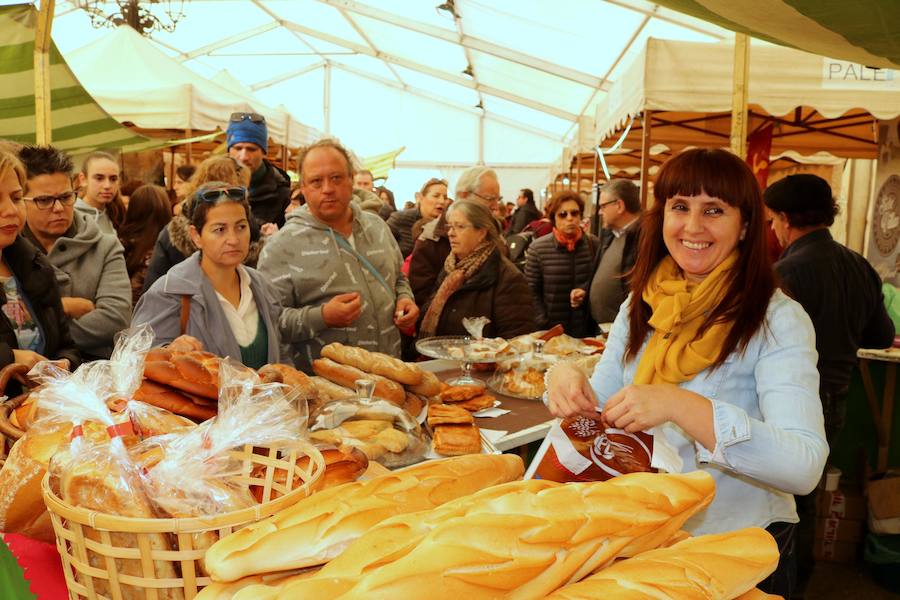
(743, 233)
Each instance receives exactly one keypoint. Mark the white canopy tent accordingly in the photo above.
(133, 80)
(461, 82)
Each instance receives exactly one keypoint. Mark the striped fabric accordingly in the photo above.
(861, 31)
(79, 124)
(380, 164)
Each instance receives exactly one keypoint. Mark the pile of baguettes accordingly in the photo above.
(403, 384)
(468, 527)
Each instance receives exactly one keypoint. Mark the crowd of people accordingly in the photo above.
(730, 357)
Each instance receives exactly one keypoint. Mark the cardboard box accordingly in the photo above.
(884, 497)
(840, 530)
(842, 504)
(834, 551)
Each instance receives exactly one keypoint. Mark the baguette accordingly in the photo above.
(319, 527)
(430, 386)
(708, 567)
(329, 392)
(521, 540)
(374, 362)
(346, 376)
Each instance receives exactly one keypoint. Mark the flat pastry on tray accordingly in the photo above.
(477, 403)
(455, 440)
(447, 414)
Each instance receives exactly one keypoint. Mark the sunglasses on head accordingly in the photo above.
(234, 193)
(565, 213)
(237, 117)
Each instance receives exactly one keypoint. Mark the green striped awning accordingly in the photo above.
(860, 31)
(79, 124)
(380, 164)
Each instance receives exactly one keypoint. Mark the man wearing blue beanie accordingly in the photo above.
(270, 187)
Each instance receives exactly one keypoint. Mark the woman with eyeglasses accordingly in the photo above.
(212, 297)
(431, 201)
(477, 280)
(33, 326)
(559, 262)
(174, 243)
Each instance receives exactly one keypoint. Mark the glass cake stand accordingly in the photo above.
(452, 347)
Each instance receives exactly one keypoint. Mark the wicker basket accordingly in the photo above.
(83, 535)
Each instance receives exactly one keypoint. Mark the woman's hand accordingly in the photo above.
(406, 313)
(576, 297)
(642, 407)
(185, 343)
(75, 307)
(569, 393)
(28, 358)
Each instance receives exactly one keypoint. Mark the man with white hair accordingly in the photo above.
(477, 183)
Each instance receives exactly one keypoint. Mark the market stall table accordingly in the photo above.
(527, 420)
(884, 416)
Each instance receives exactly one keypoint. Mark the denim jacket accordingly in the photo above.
(770, 437)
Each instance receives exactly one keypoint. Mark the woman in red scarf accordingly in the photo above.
(477, 280)
(560, 262)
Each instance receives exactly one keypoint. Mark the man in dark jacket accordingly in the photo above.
(620, 207)
(841, 292)
(247, 137)
(525, 213)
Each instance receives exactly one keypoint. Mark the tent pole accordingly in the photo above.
(190, 149)
(172, 171)
(43, 129)
(741, 78)
(481, 138)
(595, 217)
(645, 155)
(326, 98)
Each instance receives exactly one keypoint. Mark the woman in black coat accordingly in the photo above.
(33, 326)
(562, 261)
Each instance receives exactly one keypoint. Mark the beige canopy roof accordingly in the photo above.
(816, 104)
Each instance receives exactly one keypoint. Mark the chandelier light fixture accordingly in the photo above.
(139, 15)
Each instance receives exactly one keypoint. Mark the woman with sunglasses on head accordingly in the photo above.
(709, 352)
(33, 326)
(174, 243)
(212, 297)
(560, 262)
(477, 280)
(431, 201)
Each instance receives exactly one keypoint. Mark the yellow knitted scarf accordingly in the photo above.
(676, 351)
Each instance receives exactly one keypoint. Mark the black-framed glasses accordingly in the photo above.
(47, 202)
(602, 204)
(565, 213)
(237, 117)
(235, 193)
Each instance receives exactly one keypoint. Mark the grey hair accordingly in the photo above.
(327, 143)
(470, 180)
(480, 217)
(626, 191)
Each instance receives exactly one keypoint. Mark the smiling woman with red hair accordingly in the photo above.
(711, 357)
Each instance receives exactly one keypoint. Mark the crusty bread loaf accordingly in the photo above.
(192, 372)
(521, 540)
(319, 527)
(374, 362)
(328, 391)
(177, 401)
(430, 386)
(711, 567)
(346, 376)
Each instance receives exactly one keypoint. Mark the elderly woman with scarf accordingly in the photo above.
(477, 280)
(560, 262)
(708, 354)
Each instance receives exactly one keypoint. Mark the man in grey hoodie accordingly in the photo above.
(335, 266)
(90, 265)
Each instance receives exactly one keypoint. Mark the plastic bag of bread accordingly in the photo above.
(383, 431)
(522, 376)
(192, 473)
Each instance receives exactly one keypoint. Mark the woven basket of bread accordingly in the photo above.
(126, 558)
